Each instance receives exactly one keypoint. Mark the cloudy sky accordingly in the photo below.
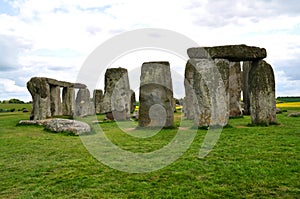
(53, 38)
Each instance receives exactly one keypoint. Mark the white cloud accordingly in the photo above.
(285, 86)
(10, 86)
(53, 38)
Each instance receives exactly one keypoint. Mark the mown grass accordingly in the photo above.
(247, 162)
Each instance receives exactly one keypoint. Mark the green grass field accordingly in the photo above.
(247, 162)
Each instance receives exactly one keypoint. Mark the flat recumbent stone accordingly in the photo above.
(66, 125)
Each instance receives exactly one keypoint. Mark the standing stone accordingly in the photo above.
(245, 86)
(235, 108)
(190, 97)
(98, 100)
(56, 108)
(68, 101)
(156, 95)
(91, 108)
(40, 92)
(174, 104)
(211, 81)
(132, 101)
(116, 102)
(84, 105)
(262, 93)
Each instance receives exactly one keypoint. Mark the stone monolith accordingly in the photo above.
(98, 100)
(245, 87)
(84, 104)
(68, 101)
(211, 79)
(132, 101)
(116, 101)
(55, 101)
(190, 97)
(156, 95)
(40, 92)
(235, 82)
(262, 93)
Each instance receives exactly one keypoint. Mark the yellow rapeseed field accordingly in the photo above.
(288, 104)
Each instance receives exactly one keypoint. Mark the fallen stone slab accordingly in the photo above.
(233, 53)
(32, 122)
(296, 114)
(278, 110)
(69, 126)
(60, 125)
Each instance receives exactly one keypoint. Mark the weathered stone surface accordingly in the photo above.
(32, 122)
(45, 94)
(60, 125)
(211, 79)
(117, 94)
(235, 83)
(132, 101)
(296, 114)
(174, 104)
(156, 95)
(68, 101)
(98, 100)
(262, 93)
(40, 92)
(84, 104)
(55, 101)
(245, 86)
(233, 53)
(78, 85)
(55, 82)
(69, 126)
(190, 100)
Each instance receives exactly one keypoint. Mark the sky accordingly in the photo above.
(54, 38)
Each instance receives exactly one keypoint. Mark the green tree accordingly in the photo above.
(15, 101)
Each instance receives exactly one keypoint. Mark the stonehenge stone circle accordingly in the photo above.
(214, 80)
(258, 96)
(262, 93)
(156, 95)
(116, 101)
(46, 99)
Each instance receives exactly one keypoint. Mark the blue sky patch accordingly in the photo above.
(6, 8)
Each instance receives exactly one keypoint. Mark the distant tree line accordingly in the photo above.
(289, 99)
(14, 101)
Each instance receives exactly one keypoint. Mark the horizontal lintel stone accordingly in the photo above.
(231, 52)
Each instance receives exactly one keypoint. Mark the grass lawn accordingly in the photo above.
(247, 162)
